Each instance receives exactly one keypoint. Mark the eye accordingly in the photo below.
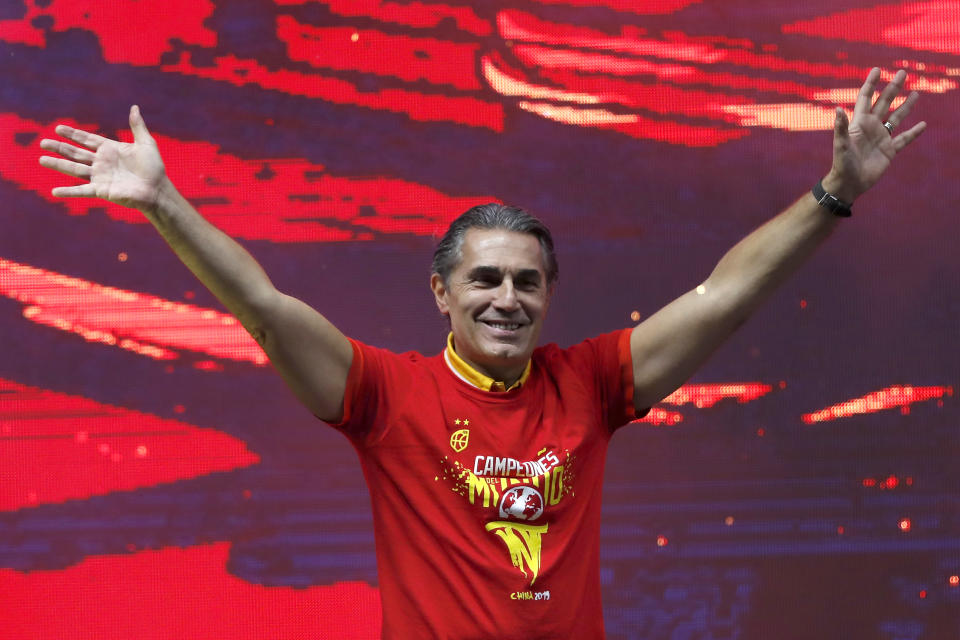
(527, 285)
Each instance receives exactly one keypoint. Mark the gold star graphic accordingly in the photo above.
(457, 421)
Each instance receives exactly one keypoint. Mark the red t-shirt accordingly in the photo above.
(486, 506)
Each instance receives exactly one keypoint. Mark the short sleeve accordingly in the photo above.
(605, 364)
(364, 398)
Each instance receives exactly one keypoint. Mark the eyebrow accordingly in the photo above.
(485, 271)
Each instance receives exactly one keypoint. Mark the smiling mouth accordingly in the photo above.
(503, 326)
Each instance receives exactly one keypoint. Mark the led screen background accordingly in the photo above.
(159, 481)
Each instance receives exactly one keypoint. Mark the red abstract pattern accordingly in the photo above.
(76, 448)
(361, 128)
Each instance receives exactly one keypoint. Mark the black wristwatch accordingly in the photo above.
(830, 202)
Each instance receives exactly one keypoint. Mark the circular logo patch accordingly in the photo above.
(522, 502)
(459, 439)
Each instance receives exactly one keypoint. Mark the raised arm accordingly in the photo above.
(310, 353)
(671, 345)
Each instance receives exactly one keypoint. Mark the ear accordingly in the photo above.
(551, 289)
(439, 293)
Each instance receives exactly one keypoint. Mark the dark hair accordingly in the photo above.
(492, 216)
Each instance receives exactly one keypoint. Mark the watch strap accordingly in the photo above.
(830, 202)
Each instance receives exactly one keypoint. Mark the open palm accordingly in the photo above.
(129, 174)
(863, 147)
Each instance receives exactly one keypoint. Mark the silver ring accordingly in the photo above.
(889, 127)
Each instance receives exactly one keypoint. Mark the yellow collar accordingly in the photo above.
(470, 375)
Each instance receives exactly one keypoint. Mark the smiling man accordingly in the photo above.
(493, 275)
(485, 462)
(476, 455)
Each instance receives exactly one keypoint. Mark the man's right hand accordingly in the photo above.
(309, 352)
(131, 175)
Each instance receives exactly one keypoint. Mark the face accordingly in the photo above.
(496, 299)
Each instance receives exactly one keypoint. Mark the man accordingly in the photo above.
(485, 462)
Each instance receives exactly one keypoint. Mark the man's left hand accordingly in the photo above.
(863, 147)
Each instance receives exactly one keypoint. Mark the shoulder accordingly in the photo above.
(381, 352)
(369, 359)
(604, 346)
(378, 380)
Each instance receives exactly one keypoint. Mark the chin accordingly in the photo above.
(508, 352)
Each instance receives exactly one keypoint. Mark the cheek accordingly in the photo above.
(536, 305)
(474, 302)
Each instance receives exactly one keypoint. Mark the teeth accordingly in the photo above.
(509, 326)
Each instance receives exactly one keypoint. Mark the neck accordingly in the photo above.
(485, 377)
(507, 374)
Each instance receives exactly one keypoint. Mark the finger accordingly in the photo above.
(900, 113)
(73, 169)
(840, 129)
(84, 138)
(138, 126)
(909, 135)
(891, 91)
(840, 123)
(78, 191)
(865, 97)
(67, 150)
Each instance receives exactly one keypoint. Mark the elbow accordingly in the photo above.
(730, 303)
(254, 312)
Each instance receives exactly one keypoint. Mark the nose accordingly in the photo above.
(506, 298)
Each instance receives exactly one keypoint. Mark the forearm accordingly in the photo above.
(672, 344)
(308, 351)
(310, 354)
(759, 263)
(218, 261)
